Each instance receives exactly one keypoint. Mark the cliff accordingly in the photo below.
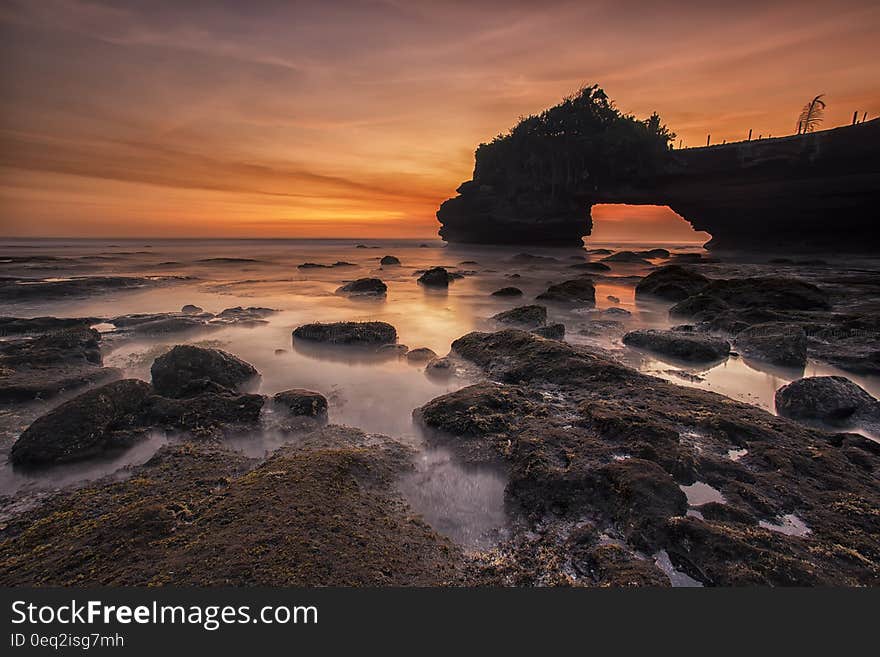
(819, 190)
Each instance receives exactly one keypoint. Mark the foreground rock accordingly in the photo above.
(364, 287)
(300, 402)
(681, 345)
(347, 333)
(576, 291)
(830, 400)
(775, 343)
(600, 455)
(187, 370)
(197, 515)
(524, 316)
(88, 425)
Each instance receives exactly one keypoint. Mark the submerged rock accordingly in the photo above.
(364, 287)
(626, 256)
(776, 343)
(187, 370)
(420, 355)
(654, 253)
(85, 426)
(348, 333)
(681, 345)
(50, 364)
(436, 277)
(577, 291)
(389, 260)
(591, 266)
(508, 292)
(440, 368)
(299, 402)
(526, 316)
(833, 400)
(191, 309)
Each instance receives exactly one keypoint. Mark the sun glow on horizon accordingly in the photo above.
(354, 118)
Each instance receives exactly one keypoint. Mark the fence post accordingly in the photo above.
(750, 134)
(855, 117)
(708, 137)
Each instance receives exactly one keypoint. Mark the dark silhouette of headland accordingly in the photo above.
(537, 183)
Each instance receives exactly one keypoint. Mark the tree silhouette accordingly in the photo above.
(811, 115)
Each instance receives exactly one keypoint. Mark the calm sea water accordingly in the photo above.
(377, 396)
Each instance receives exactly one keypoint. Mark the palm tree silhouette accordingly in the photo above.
(811, 115)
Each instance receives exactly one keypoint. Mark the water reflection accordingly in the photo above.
(463, 502)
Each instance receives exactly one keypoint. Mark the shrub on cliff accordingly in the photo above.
(581, 143)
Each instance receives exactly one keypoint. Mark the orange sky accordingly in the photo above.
(358, 118)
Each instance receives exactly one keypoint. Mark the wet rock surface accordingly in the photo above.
(600, 455)
(680, 345)
(347, 333)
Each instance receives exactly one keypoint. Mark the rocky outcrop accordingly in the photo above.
(813, 191)
(599, 454)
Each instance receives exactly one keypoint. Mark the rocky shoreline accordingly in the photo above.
(613, 477)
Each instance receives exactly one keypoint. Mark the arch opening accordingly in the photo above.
(648, 224)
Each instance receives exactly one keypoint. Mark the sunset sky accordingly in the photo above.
(344, 118)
